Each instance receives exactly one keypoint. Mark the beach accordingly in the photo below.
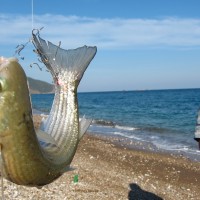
(104, 169)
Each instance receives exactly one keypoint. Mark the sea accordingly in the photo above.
(164, 119)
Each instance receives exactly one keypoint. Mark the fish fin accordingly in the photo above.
(59, 60)
(67, 169)
(45, 138)
(84, 125)
(42, 124)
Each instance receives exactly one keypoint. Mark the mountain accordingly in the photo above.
(39, 87)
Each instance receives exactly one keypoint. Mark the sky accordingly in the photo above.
(142, 44)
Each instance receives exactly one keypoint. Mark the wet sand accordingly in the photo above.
(107, 170)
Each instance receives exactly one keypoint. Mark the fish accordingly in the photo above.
(33, 157)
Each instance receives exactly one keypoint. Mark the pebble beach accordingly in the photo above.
(104, 169)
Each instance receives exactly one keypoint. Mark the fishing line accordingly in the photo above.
(32, 13)
(21, 47)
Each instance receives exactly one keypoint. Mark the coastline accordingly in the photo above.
(108, 170)
(138, 145)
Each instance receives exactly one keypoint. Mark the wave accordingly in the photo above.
(160, 130)
(37, 112)
(126, 128)
(114, 125)
(130, 129)
(104, 123)
(40, 111)
(128, 136)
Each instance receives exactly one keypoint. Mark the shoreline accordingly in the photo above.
(145, 146)
(108, 170)
(136, 140)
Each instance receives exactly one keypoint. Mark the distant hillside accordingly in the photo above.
(38, 87)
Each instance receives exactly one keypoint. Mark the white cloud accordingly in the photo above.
(113, 33)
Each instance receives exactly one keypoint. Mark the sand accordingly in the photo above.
(106, 170)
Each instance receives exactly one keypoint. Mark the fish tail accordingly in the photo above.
(61, 62)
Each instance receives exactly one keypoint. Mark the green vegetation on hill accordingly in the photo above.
(37, 86)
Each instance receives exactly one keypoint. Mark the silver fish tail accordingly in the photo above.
(67, 68)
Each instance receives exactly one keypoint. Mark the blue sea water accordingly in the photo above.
(164, 118)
